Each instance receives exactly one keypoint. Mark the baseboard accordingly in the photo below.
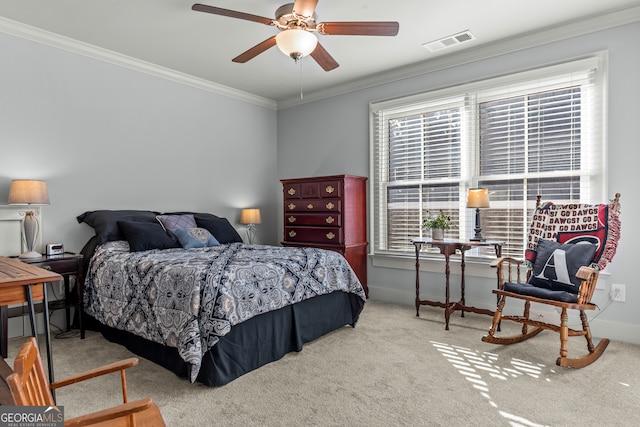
(616, 330)
(394, 296)
(613, 330)
(21, 326)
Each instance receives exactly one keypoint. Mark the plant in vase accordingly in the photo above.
(437, 224)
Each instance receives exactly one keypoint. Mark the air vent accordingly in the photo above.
(449, 41)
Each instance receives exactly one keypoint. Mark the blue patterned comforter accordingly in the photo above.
(189, 298)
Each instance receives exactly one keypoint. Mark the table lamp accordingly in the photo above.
(478, 198)
(251, 217)
(29, 192)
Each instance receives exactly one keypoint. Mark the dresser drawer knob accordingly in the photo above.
(330, 205)
(330, 236)
(330, 189)
(309, 206)
(330, 220)
(291, 206)
(291, 191)
(292, 219)
(292, 233)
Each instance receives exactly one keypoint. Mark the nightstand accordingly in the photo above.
(67, 265)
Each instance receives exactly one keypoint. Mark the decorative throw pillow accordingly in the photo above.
(557, 264)
(195, 237)
(144, 236)
(221, 228)
(172, 222)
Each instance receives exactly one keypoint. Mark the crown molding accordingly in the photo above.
(472, 54)
(527, 40)
(38, 35)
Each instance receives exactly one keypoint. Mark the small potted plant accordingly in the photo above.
(437, 224)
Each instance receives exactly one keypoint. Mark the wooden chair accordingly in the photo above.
(30, 387)
(554, 251)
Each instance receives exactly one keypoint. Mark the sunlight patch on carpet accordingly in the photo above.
(472, 364)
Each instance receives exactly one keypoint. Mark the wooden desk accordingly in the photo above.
(447, 248)
(21, 282)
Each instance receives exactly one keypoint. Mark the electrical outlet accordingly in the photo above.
(618, 293)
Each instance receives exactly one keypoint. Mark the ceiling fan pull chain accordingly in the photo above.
(301, 95)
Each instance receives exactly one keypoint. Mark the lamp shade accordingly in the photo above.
(478, 198)
(296, 43)
(28, 192)
(250, 216)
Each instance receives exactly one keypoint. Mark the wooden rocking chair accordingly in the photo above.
(30, 387)
(567, 247)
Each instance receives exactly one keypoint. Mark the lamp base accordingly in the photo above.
(477, 237)
(30, 255)
(251, 233)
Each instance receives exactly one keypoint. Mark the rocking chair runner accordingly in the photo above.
(30, 387)
(567, 247)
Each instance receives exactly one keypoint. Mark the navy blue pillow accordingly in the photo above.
(144, 236)
(221, 229)
(557, 264)
(538, 292)
(105, 222)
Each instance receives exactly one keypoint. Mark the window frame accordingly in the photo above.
(470, 94)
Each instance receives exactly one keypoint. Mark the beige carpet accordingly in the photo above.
(393, 369)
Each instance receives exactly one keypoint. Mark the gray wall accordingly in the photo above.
(332, 136)
(108, 137)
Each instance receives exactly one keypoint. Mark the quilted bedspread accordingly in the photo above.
(189, 298)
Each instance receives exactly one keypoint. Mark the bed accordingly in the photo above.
(183, 290)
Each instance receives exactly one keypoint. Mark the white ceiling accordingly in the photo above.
(168, 33)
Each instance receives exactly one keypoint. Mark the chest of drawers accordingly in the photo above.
(328, 212)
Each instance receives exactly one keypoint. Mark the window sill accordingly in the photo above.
(434, 263)
(474, 266)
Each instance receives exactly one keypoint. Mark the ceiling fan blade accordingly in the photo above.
(361, 28)
(323, 58)
(305, 7)
(231, 13)
(256, 50)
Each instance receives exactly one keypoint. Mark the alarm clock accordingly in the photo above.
(55, 249)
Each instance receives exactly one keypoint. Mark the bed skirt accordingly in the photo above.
(255, 342)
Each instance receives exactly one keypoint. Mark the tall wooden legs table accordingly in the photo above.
(447, 248)
(21, 282)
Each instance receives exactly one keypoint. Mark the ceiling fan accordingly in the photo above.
(297, 22)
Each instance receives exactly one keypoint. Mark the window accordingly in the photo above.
(535, 133)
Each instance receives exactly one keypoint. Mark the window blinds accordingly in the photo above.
(536, 132)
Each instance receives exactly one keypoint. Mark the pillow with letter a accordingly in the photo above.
(557, 264)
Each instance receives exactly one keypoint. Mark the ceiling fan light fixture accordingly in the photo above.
(296, 43)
